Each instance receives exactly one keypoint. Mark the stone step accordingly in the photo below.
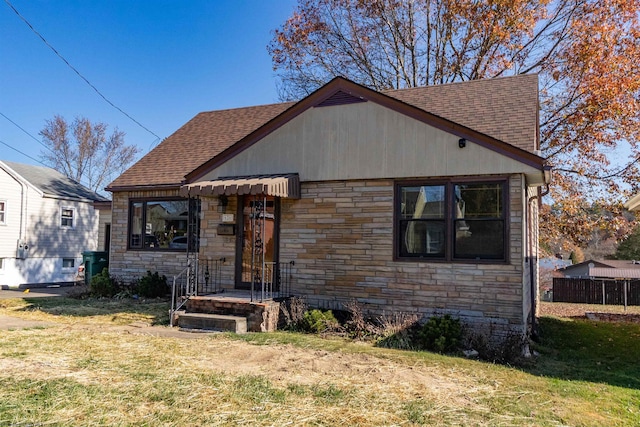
(211, 322)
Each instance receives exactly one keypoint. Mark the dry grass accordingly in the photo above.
(86, 370)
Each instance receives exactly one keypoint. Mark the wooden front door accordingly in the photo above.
(257, 242)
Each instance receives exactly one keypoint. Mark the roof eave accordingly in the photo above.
(356, 90)
(151, 187)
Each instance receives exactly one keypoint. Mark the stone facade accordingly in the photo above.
(129, 265)
(340, 236)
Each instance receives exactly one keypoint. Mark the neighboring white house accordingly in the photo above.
(46, 221)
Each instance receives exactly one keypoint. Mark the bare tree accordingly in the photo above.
(84, 152)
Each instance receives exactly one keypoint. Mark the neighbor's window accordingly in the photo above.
(159, 224)
(3, 212)
(1, 263)
(67, 217)
(451, 220)
(68, 263)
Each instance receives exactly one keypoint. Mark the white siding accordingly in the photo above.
(48, 242)
(10, 192)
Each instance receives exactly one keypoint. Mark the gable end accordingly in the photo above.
(340, 98)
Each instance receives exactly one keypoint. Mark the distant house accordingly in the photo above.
(602, 269)
(46, 221)
(421, 200)
(634, 203)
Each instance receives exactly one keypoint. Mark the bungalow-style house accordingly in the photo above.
(46, 221)
(420, 200)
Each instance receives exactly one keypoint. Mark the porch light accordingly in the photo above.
(462, 143)
(223, 201)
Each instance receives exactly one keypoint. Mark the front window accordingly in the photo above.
(3, 212)
(67, 216)
(451, 221)
(159, 224)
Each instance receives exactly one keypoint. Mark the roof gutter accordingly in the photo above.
(122, 188)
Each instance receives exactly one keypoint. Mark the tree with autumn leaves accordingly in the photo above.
(586, 53)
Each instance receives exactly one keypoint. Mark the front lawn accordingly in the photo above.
(84, 370)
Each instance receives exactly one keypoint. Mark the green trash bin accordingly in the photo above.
(94, 262)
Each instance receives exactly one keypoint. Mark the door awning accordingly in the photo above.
(284, 185)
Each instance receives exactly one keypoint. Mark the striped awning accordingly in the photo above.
(285, 185)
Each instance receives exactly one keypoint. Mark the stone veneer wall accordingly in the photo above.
(130, 265)
(340, 235)
(214, 246)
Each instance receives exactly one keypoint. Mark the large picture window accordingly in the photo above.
(160, 225)
(451, 220)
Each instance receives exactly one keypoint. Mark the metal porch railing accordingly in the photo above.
(202, 276)
(273, 281)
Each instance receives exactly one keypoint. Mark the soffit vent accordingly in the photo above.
(340, 98)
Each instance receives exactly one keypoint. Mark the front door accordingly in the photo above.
(257, 244)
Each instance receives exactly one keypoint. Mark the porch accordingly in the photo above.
(199, 302)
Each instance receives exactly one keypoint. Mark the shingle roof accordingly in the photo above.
(200, 139)
(503, 108)
(52, 183)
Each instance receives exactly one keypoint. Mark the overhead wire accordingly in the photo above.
(78, 72)
(22, 129)
(24, 154)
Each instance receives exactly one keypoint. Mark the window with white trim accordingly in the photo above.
(67, 217)
(3, 212)
(451, 220)
(68, 263)
(1, 264)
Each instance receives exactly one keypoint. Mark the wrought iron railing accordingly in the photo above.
(203, 276)
(180, 292)
(209, 275)
(273, 282)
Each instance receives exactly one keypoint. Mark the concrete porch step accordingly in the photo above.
(211, 322)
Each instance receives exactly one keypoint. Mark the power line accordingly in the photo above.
(24, 154)
(86, 184)
(76, 71)
(22, 129)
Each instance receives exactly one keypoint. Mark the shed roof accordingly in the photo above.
(504, 109)
(52, 183)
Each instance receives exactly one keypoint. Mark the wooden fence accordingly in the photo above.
(594, 291)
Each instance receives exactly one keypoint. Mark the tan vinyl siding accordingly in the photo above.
(364, 141)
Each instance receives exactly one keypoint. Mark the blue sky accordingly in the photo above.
(160, 61)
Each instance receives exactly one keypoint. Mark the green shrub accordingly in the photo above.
(317, 321)
(102, 285)
(152, 285)
(441, 334)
